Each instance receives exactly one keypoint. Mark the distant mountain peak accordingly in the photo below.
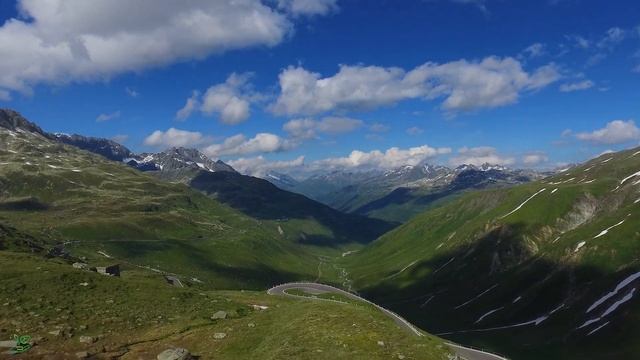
(280, 180)
(176, 158)
(488, 166)
(483, 167)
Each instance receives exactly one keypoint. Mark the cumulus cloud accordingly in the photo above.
(464, 85)
(58, 41)
(615, 132)
(241, 145)
(106, 117)
(301, 128)
(308, 7)
(309, 128)
(259, 166)
(534, 158)
(577, 86)
(391, 158)
(175, 138)
(480, 155)
(230, 101)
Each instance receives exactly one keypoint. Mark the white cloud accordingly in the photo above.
(107, 117)
(464, 85)
(5, 95)
(391, 158)
(534, 158)
(576, 86)
(304, 92)
(259, 166)
(189, 107)
(566, 132)
(374, 137)
(226, 100)
(308, 7)
(120, 138)
(379, 128)
(175, 138)
(240, 145)
(579, 41)
(595, 59)
(230, 101)
(301, 128)
(131, 92)
(480, 4)
(309, 128)
(612, 37)
(413, 131)
(59, 41)
(480, 155)
(535, 50)
(615, 132)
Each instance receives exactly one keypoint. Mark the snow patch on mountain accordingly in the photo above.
(621, 285)
(605, 231)
(523, 203)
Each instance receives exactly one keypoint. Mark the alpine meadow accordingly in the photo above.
(319, 179)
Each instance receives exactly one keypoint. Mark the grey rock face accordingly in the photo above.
(219, 315)
(174, 354)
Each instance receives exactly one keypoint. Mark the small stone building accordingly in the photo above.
(111, 270)
(173, 281)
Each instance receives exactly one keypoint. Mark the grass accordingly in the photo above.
(38, 296)
(443, 270)
(459, 250)
(57, 193)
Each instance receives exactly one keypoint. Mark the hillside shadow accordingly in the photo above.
(25, 204)
(257, 277)
(450, 292)
(466, 180)
(260, 199)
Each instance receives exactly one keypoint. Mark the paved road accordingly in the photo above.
(461, 351)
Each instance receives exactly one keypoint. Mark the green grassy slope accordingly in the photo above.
(402, 204)
(477, 264)
(260, 199)
(138, 316)
(57, 193)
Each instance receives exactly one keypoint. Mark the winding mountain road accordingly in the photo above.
(463, 352)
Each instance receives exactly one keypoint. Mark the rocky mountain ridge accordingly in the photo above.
(171, 159)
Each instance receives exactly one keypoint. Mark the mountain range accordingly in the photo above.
(401, 193)
(253, 196)
(526, 264)
(547, 269)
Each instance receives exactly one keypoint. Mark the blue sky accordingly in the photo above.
(296, 85)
